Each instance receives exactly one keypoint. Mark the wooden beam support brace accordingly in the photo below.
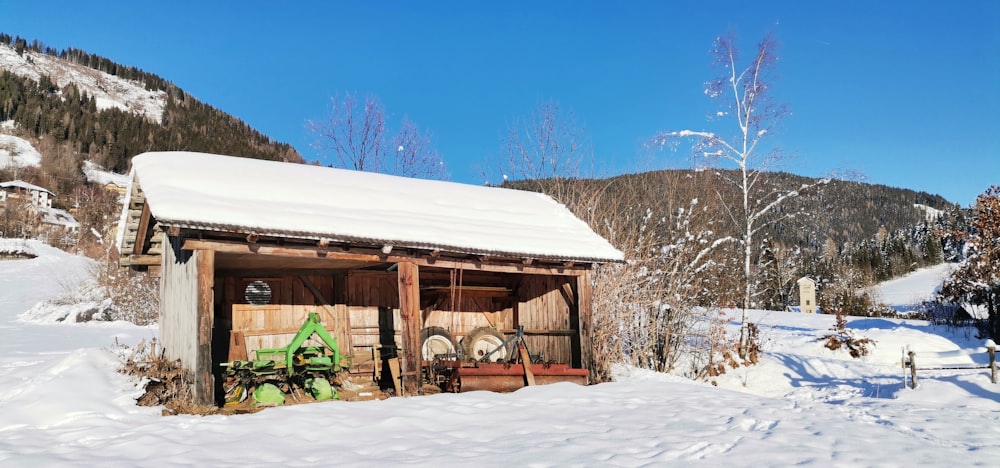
(140, 234)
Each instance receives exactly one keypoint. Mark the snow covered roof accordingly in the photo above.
(24, 185)
(59, 217)
(230, 194)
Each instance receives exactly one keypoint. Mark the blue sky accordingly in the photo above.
(904, 92)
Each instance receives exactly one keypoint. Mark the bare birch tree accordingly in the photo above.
(356, 137)
(546, 150)
(746, 102)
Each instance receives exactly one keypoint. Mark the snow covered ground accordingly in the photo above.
(63, 404)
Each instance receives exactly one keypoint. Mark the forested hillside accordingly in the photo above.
(65, 117)
(845, 234)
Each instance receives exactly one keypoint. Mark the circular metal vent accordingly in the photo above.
(258, 293)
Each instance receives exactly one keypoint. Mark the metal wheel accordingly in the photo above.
(481, 341)
(436, 341)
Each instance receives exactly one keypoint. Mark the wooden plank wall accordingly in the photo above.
(274, 326)
(369, 300)
(179, 305)
(542, 306)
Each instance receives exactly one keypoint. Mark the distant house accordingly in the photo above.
(36, 217)
(807, 296)
(245, 248)
(36, 196)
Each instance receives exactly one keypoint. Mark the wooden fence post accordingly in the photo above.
(991, 348)
(913, 369)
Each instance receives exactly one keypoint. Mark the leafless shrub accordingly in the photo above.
(842, 337)
(649, 311)
(164, 381)
(135, 296)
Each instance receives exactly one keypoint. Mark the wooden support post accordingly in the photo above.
(204, 385)
(913, 369)
(409, 308)
(585, 323)
(991, 348)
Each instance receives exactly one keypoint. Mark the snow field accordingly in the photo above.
(63, 404)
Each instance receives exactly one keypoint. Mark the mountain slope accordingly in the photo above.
(84, 106)
(108, 91)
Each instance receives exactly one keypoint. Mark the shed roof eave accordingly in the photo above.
(397, 247)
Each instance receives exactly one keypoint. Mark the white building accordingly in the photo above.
(807, 295)
(39, 197)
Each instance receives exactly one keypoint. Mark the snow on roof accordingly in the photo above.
(225, 193)
(24, 185)
(59, 217)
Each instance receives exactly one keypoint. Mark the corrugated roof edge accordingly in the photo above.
(317, 236)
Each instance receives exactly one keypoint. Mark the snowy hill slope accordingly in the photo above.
(62, 403)
(108, 90)
(17, 152)
(906, 293)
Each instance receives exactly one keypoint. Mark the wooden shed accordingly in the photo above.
(246, 249)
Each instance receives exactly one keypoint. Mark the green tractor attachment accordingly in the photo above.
(289, 370)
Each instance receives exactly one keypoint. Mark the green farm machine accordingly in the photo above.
(294, 370)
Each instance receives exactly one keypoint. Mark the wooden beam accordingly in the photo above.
(529, 376)
(291, 251)
(148, 260)
(470, 291)
(311, 252)
(567, 293)
(140, 234)
(204, 385)
(409, 308)
(498, 267)
(540, 332)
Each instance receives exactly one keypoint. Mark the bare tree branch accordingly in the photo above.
(355, 136)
